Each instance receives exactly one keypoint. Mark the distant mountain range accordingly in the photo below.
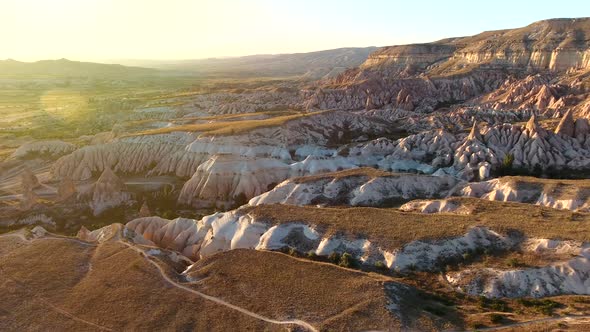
(68, 68)
(310, 65)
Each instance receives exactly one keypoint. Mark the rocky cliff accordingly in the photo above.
(425, 77)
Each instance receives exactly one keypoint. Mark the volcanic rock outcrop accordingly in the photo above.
(425, 77)
(107, 192)
(360, 187)
(560, 194)
(565, 277)
(29, 180)
(66, 189)
(223, 178)
(52, 148)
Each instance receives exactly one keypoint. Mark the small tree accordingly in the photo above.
(240, 199)
(334, 257)
(346, 260)
(379, 265)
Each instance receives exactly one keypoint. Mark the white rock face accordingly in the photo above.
(107, 233)
(558, 194)
(107, 192)
(567, 277)
(475, 156)
(180, 234)
(316, 165)
(35, 219)
(130, 155)
(356, 190)
(222, 178)
(236, 229)
(52, 148)
(435, 206)
(180, 153)
(424, 255)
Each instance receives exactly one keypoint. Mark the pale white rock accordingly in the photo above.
(296, 235)
(435, 206)
(222, 178)
(556, 194)
(358, 190)
(107, 192)
(130, 155)
(426, 255)
(52, 148)
(180, 234)
(106, 233)
(316, 164)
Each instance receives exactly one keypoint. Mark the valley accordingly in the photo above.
(436, 187)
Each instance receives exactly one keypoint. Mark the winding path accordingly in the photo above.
(172, 282)
(217, 300)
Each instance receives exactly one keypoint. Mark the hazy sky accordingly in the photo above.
(186, 29)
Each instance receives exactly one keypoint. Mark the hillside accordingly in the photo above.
(312, 65)
(68, 68)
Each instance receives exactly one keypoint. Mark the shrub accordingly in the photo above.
(312, 255)
(168, 214)
(508, 160)
(494, 304)
(379, 265)
(240, 199)
(496, 318)
(513, 262)
(346, 260)
(467, 256)
(293, 252)
(544, 306)
(334, 257)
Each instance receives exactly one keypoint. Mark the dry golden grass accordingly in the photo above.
(238, 116)
(39, 282)
(391, 228)
(557, 188)
(327, 296)
(363, 171)
(223, 128)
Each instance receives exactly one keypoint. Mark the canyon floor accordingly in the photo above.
(434, 187)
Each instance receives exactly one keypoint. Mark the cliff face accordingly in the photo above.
(425, 77)
(408, 58)
(556, 45)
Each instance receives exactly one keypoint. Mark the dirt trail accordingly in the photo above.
(163, 274)
(298, 322)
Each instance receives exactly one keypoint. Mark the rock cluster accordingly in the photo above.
(52, 148)
(356, 189)
(107, 192)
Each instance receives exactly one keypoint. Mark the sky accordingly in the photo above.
(100, 30)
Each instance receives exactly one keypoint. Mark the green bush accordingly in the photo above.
(513, 262)
(494, 304)
(379, 265)
(293, 252)
(312, 255)
(544, 306)
(508, 160)
(334, 257)
(346, 260)
(467, 256)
